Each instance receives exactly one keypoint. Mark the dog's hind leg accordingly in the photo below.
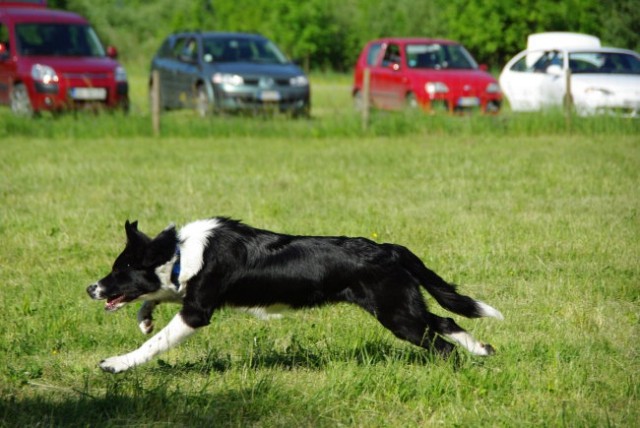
(175, 332)
(452, 331)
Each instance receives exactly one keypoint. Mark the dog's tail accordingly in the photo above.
(445, 293)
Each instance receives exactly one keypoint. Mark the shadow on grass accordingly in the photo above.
(296, 356)
(131, 402)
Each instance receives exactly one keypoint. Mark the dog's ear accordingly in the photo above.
(162, 248)
(131, 228)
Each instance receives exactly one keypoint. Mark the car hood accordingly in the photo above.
(617, 83)
(256, 69)
(73, 64)
(455, 78)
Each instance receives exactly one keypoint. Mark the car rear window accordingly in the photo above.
(55, 39)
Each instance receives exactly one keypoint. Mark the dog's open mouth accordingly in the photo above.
(115, 302)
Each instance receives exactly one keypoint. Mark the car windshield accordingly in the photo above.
(603, 63)
(439, 56)
(53, 39)
(237, 49)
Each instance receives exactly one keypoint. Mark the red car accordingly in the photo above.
(53, 60)
(434, 74)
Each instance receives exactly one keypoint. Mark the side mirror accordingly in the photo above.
(483, 67)
(112, 52)
(555, 70)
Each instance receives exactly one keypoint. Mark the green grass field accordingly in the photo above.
(538, 219)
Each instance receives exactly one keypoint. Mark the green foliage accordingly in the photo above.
(328, 34)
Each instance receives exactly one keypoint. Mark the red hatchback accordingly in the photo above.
(53, 60)
(434, 74)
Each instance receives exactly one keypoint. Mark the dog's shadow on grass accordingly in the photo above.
(370, 353)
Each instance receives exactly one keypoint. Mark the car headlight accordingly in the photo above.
(493, 88)
(433, 88)
(299, 81)
(227, 79)
(44, 73)
(597, 91)
(120, 74)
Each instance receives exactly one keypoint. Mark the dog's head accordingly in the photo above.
(135, 273)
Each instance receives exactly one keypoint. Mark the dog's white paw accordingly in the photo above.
(116, 364)
(146, 326)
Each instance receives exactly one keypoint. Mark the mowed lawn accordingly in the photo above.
(544, 227)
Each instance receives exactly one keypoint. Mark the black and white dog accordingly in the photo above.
(220, 262)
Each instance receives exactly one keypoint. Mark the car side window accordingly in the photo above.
(178, 47)
(373, 54)
(391, 55)
(538, 62)
(4, 35)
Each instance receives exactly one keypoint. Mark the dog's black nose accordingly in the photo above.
(92, 289)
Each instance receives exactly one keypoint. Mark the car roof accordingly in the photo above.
(587, 49)
(415, 40)
(40, 14)
(220, 34)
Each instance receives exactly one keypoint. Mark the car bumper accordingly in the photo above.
(283, 99)
(462, 103)
(78, 94)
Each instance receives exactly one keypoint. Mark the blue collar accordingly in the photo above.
(175, 272)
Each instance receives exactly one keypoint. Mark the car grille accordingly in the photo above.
(255, 81)
(83, 76)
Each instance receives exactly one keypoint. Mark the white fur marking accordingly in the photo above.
(469, 342)
(488, 311)
(193, 239)
(173, 334)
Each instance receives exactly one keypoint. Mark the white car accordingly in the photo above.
(602, 79)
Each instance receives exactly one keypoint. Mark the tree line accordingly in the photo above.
(328, 34)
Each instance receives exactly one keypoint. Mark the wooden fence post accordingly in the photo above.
(155, 102)
(568, 98)
(366, 83)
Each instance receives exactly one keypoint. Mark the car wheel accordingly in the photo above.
(203, 106)
(410, 101)
(20, 102)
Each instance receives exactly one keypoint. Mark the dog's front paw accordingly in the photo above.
(146, 326)
(116, 364)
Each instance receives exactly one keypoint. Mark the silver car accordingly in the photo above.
(231, 72)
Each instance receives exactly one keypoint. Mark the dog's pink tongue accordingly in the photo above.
(113, 302)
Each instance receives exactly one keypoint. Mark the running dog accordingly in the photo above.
(220, 262)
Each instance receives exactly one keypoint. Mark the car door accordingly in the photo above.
(187, 71)
(535, 80)
(387, 90)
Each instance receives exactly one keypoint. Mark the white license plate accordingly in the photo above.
(270, 96)
(89, 93)
(468, 102)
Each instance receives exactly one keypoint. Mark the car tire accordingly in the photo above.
(411, 101)
(20, 102)
(202, 103)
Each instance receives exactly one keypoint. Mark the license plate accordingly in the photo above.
(88, 93)
(270, 96)
(468, 102)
